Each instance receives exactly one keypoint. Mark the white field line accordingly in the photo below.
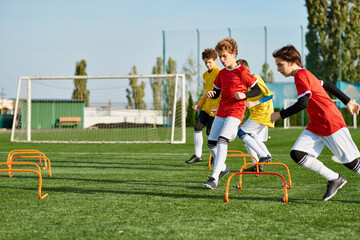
(109, 153)
(145, 153)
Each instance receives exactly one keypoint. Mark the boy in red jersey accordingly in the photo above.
(232, 82)
(326, 126)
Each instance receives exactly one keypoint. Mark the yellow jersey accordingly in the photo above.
(261, 113)
(208, 104)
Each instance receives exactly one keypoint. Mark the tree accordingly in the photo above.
(137, 92)
(190, 116)
(80, 91)
(170, 84)
(156, 84)
(190, 71)
(267, 76)
(129, 98)
(333, 37)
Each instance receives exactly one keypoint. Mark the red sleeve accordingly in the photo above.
(248, 79)
(302, 84)
(217, 82)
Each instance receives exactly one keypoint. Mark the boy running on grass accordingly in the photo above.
(254, 131)
(206, 116)
(233, 82)
(326, 126)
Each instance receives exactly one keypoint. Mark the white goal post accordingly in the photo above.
(100, 109)
(289, 102)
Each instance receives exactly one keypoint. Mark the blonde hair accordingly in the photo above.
(228, 44)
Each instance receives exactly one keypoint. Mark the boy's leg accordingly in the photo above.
(214, 135)
(263, 147)
(305, 152)
(228, 133)
(343, 147)
(251, 152)
(198, 140)
(208, 129)
(212, 145)
(198, 137)
(250, 133)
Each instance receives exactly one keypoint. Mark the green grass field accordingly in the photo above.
(146, 191)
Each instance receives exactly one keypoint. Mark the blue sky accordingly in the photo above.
(48, 37)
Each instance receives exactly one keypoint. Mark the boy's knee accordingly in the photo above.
(297, 156)
(198, 126)
(223, 140)
(211, 143)
(241, 133)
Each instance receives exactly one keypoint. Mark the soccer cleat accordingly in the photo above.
(211, 183)
(223, 173)
(194, 159)
(253, 169)
(333, 186)
(265, 159)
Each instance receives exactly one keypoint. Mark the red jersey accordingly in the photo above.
(325, 117)
(231, 81)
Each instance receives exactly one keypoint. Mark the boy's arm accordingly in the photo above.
(300, 105)
(202, 100)
(331, 88)
(353, 107)
(257, 102)
(215, 93)
(255, 91)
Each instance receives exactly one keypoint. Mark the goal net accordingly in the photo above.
(100, 109)
(301, 119)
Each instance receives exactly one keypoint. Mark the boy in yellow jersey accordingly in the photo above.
(206, 116)
(254, 131)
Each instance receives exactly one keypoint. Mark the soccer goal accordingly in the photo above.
(100, 109)
(301, 119)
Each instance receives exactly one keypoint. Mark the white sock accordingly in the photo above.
(252, 153)
(248, 140)
(315, 165)
(263, 147)
(198, 140)
(213, 151)
(220, 160)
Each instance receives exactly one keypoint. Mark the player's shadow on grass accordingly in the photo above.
(79, 164)
(207, 194)
(50, 190)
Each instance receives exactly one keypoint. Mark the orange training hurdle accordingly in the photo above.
(26, 170)
(286, 186)
(229, 155)
(38, 154)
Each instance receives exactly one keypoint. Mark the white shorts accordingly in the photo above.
(256, 130)
(340, 144)
(225, 127)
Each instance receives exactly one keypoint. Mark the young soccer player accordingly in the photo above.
(254, 131)
(233, 82)
(326, 126)
(206, 116)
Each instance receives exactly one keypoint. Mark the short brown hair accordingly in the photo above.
(209, 53)
(288, 53)
(227, 44)
(243, 63)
